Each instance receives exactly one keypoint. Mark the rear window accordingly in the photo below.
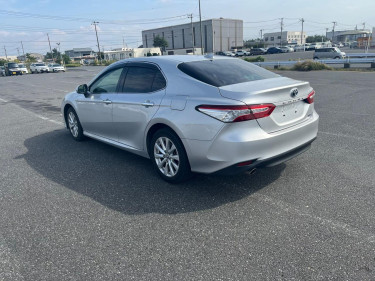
(222, 72)
(40, 64)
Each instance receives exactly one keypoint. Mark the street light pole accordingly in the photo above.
(200, 26)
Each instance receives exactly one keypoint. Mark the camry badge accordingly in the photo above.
(294, 92)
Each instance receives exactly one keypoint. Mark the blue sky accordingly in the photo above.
(69, 22)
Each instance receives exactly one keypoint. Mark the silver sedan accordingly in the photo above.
(195, 114)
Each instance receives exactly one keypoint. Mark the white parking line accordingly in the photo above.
(341, 226)
(36, 115)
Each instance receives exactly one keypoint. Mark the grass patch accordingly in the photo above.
(72, 65)
(255, 59)
(310, 65)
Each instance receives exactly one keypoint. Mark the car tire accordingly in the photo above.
(74, 125)
(337, 58)
(316, 58)
(169, 157)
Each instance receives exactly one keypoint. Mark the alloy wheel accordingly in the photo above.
(166, 156)
(73, 124)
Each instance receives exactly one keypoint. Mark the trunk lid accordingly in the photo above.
(290, 109)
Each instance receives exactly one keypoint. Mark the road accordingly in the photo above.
(88, 211)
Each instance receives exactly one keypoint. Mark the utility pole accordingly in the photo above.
(97, 40)
(123, 42)
(327, 33)
(281, 31)
(192, 32)
(200, 26)
(50, 46)
(23, 51)
(6, 56)
(333, 30)
(302, 20)
(58, 44)
(18, 51)
(364, 25)
(261, 34)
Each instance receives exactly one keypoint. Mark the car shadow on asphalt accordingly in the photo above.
(127, 183)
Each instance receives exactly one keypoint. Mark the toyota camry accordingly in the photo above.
(199, 114)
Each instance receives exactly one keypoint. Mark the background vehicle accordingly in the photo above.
(229, 54)
(220, 54)
(192, 113)
(286, 49)
(274, 50)
(257, 51)
(38, 67)
(2, 71)
(23, 68)
(329, 53)
(241, 53)
(55, 67)
(12, 68)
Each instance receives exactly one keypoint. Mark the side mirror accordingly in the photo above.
(82, 89)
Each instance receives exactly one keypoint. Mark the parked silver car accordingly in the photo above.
(195, 114)
(328, 53)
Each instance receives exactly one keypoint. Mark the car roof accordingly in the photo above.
(172, 59)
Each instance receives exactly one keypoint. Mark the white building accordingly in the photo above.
(125, 53)
(217, 35)
(288, 37)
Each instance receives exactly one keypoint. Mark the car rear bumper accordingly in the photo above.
(246, 141)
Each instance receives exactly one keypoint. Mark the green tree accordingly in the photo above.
(54, 55)
(66, 59)
(160, 42)
(316, 38)
(30, 58)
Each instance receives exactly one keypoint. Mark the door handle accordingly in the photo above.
(147, 103)
(107, 101)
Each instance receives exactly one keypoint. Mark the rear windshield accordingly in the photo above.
(222, 72)
(40, 64)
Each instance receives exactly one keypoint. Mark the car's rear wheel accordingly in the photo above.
(337, 58)
(169, 156)
(74, 125)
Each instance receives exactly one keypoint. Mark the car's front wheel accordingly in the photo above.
(74, 125)
(169, 156)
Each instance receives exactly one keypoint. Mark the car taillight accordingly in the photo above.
(310, 97)
(237, 113)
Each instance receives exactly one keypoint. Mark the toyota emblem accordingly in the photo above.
(294, 92)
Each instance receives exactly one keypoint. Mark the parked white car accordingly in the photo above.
(23, 68)
(286, 49)
(55, 67)
(38, 67)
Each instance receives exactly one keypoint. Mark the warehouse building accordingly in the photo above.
(348, 35)
(217, 35)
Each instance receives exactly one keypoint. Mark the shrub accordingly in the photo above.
(256, 59)
(310, 65)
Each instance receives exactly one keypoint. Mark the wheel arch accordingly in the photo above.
(66, 108)
(153, 128)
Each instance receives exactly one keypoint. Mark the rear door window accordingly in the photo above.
(223, 72)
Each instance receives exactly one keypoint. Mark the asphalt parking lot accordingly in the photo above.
(89, 211)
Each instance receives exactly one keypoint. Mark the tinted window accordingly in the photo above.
(159, 81)
(225, 72)
(107, 83)
(13, 65)
(143, 80)
(40, 64)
